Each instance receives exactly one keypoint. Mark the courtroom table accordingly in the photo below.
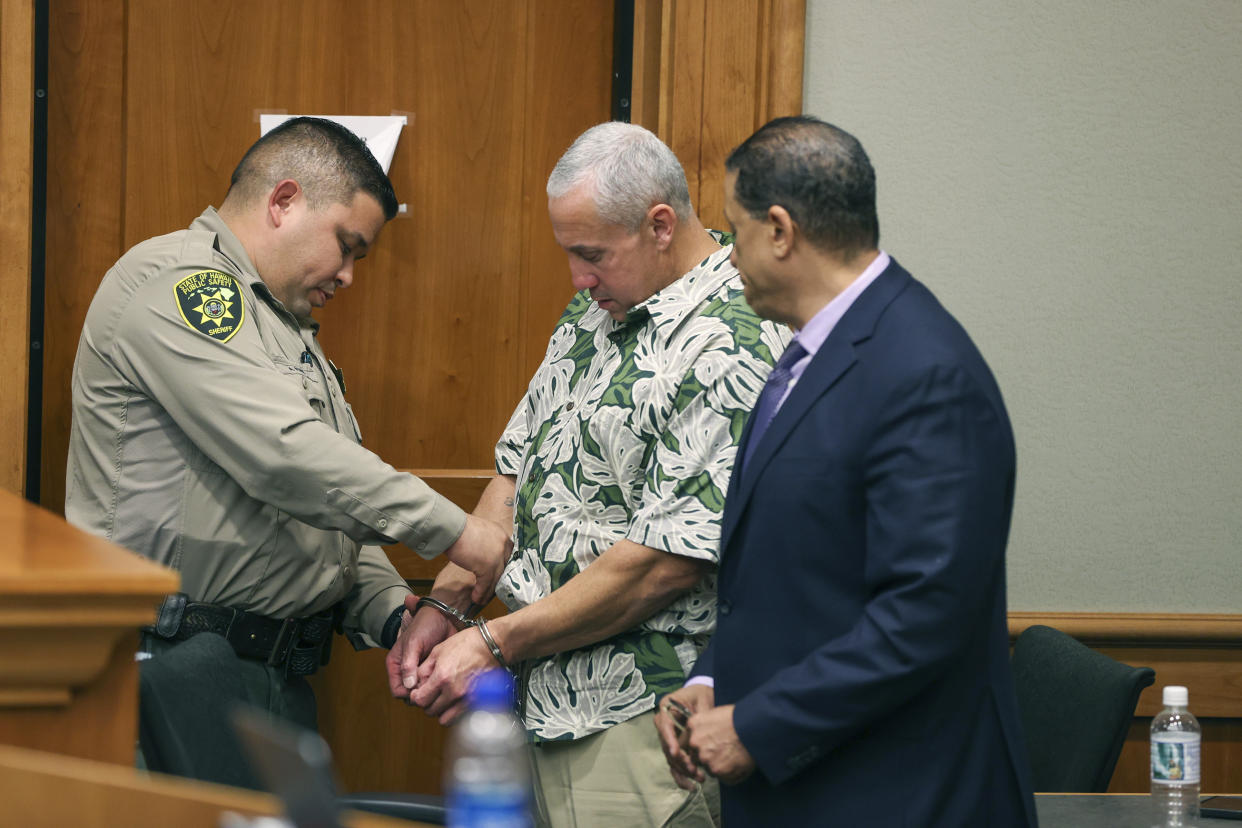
(1101, 811)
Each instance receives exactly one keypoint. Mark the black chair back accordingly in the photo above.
(1076, 707)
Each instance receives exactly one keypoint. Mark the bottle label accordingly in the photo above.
(1175, 761)
(496, 808)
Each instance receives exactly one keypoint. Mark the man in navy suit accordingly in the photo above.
(859, 674)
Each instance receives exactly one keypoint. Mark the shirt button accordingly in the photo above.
(569, 406)
(383, 523)
(724, 607)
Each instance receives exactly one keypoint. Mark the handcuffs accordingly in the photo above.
(462, 620)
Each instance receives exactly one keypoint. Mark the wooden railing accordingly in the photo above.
(70, 608)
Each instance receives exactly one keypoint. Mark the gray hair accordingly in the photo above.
(630, 169)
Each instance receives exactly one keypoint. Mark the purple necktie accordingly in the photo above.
(770, 397)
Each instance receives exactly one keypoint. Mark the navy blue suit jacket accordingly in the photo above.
(862, 629)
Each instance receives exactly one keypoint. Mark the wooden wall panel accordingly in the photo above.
(463, 487)
(732, 75)
(447, 309)
(418, 355)
(570, 52)
(70, 608)
(718, 70)
(85, 198)
(1213, 674)
(1221, 758)
(1201, 652)
(16, 143)
(682, 114)
(101, 723)
(451, 313)
(389, 745)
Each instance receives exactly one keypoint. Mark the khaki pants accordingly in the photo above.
(618, 777)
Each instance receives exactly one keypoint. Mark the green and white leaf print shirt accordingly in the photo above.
(628, 431)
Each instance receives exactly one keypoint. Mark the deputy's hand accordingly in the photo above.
(444, 676)
(713, 744)
(670, 724)
(420, 631)
(483, 549)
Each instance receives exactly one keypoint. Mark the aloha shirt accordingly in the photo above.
(628, 431)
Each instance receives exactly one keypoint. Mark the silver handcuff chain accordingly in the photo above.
(461, 619)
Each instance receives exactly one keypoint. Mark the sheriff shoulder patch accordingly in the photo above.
(211, 302)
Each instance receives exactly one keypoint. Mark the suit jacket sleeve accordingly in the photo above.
(703, 666)
(936, 476)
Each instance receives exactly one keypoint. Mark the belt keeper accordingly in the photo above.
(286, 640)
(491, 643)
(171, 611)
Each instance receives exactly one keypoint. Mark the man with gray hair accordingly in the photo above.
(612, 473)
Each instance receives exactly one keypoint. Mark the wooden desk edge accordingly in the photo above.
(1135, 627)
(30, 771)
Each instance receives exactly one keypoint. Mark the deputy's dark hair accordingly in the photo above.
(818, 173)
(329, 162)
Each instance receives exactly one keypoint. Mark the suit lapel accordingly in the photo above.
(833, 359)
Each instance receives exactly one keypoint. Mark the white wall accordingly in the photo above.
(1067, 177)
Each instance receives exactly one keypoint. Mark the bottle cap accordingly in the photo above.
(491, 690)
(1176, 696)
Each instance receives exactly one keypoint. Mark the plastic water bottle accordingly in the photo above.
(487, 778)
(1175, 741)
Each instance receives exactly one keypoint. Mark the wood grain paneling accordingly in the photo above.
(783, 53)
(647, 59)
(733, 75)
(682, 115)
(1221, 758)
(85, 199)
(98, 722)
(444, 289)
(569, 57)
(16, 144)
(1122, 627)
(392, 746)
(1213, 675)
(710, 74)
(463, 487)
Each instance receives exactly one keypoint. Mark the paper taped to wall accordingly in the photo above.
(379, 131)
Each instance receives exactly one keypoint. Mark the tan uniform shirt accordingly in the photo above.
(211, 434)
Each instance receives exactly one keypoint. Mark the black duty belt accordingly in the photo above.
(299, 646)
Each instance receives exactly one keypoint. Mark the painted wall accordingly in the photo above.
(1067, 177)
